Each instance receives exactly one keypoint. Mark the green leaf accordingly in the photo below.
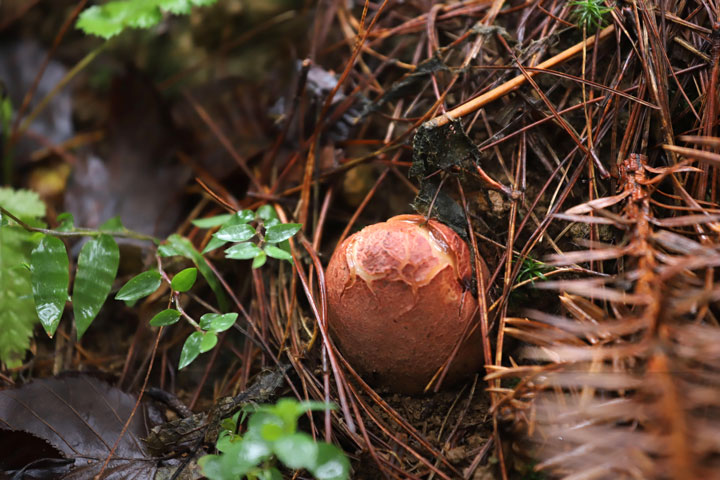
(213, 244)
(226, 439)
(97, 266)
(212, 467)
(140, 286)
(167, 251)
(288, 410)
(278, 233)
(67, 222)
(230, 424)
(275, 252)
(330, 463)
(24, 204)
(266, 212)
(209, 340)
(259, 261)
(261, 418)
(314, 406)
(177, 245)
(113, 224)
(17, 308)
(184, 280)
(165, 318)
(175, 6)
(284, 245)
(246, 455)
(271, 222)
(211, 222)
(191, 349)
(271, 473)
(271, 432)
(243, 251)
(296, 451)
(50, 278)
(216, 322)
(95, 21)
(235, 233)
(245, 216)
(112, 18)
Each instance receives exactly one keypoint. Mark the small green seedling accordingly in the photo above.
(271, 437)
(532, 269)
(589, 13)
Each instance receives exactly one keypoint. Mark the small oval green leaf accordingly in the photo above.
(236, 233)
(296, 451)
(259, 420)
(216, 322)
(66, 221)
(271, 473)
(177, 245)
(330, 463)
(213, 244)
(191, 349)
(278, 253)
(266, 212)
(168, 250)
(260, 260)
(209, 340)
(165, 318)
(140, 286)
(283, 231)
(212, 466)
(245, 216)
(243, 251)
(271, 222)
(184, 280)
(271, 432)
(97, 266)
(113, 224)
(211, 221)
(50, 278)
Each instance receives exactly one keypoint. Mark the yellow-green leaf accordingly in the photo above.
(184, 280)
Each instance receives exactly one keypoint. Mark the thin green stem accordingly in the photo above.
(60, 85)
(81, 232)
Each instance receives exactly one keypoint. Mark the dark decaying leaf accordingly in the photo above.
(78, 418)
(408, 83)
(441, 149)
(31, 455)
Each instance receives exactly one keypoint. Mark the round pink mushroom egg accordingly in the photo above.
(398, 303)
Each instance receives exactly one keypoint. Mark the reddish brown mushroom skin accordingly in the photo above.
(398, 302)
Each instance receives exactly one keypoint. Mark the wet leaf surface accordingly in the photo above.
(50, 278)
(97, 267)
(64, 428)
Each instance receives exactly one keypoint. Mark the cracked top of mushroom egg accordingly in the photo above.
(405, 255)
